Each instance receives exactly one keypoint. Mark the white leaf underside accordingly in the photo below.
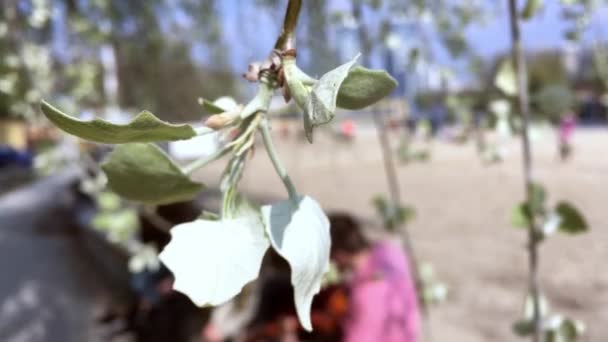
(320, 105)
(213, 260)
(302, 237)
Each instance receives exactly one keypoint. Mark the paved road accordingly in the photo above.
(48, 291)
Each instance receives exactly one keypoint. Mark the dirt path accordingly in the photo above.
(462, 225)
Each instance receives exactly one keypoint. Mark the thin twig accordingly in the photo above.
(199, 163)
(393, 180)
(524, 108)
(287, 39)
(276, 162)
(154, 218)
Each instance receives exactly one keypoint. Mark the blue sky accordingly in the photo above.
(253, 38)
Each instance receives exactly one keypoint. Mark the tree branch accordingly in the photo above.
(524, 108)
(390, 169)
(287, 39)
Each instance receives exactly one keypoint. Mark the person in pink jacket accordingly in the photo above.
(383, 304)
(566, 130)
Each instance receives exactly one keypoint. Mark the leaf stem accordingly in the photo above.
(524, 108)
(276, 162)
(201, 162)
(287, 40)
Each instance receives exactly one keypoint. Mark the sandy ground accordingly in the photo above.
(462, 225)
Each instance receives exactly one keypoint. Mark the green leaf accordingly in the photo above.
(145, 127)
(213, 260)
(220, 105)
(119, 226)
(364, 87)
(538, 197)
(523, 328)
(572, 222)
(143, 172)
(144, 257)
(321, 102)
(210, 107)
(108, 201)
(569, 331)
(524, 212)
(301, 236)
(521, 216)
(551, 224)
(506, 79)
(543, 305)
(531, 7)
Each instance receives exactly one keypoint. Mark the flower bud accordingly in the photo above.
(219, 121)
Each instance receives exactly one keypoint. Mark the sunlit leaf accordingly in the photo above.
(213, 260)
(551, 224)
(145, 127)
(538, 197)
(321, 102)
(210, 107)
(145, 257)
(108, 201)
(572, 222)
(506, 79)
(543, 305)
(143, 172)
(532, 6)
(220, 105)
(364, 87)
(569, 330)
(521, 216)
(301, 236)
(119, 225)
(523, 328)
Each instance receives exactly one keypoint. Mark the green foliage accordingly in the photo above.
(553, 100)
(320, 107)
(555, 327)
(364, 87)
(392, 216)
(521, 215)
(214, 256)
(408, 154)
(525, 212)
(118, 224)
(538, 198)
(564, 218)
(545, 69)
(143, 172)
(346, 87)
(433, 291)
(210, 107)
(523, 328)
(571, 220)
(532, 6)
(505, 78)
(108, 201)
(145, 127)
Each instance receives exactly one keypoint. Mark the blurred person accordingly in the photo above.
(566, 130)
(382, 303)
(348, 129)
